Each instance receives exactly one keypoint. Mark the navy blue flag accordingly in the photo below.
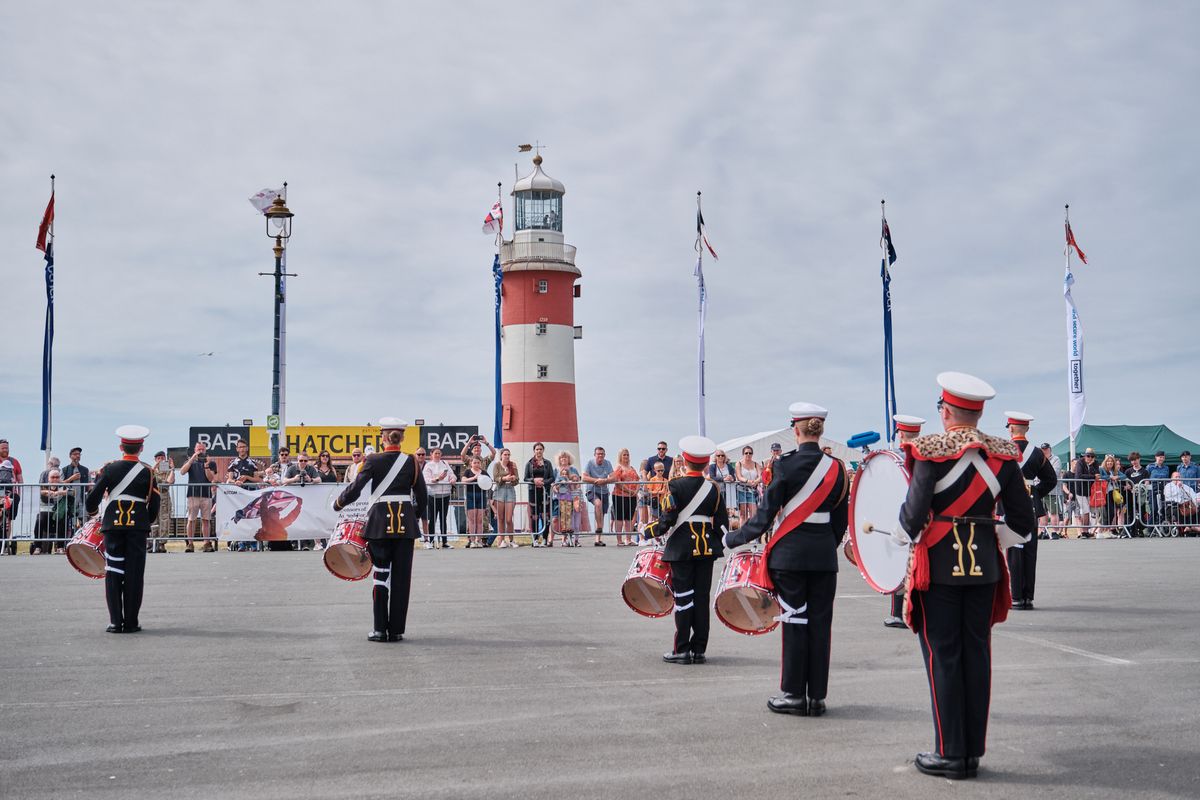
(48, 346)
(498, 433)
(889, 367)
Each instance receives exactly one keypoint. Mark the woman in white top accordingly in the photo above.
(749, 478)
(439, 481)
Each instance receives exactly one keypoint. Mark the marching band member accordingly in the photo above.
(133, 502)
(396, 502)
(1040, 480)
(907, 428)
(809, 493)
(695, 508)
(957, 586)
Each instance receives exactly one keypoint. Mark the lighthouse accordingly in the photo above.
(538, 290)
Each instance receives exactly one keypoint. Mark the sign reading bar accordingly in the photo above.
(450, 438)
(220, 441)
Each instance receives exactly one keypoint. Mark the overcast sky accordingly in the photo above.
(393, 123)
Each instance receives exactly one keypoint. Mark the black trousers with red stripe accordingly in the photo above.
(392, 560)
(954, 626)
(691, 581)
(897, 604)
(807, 640)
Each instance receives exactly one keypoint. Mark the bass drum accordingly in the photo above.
(880, 488)
(86, 550)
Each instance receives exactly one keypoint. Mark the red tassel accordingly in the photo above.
(920, 568)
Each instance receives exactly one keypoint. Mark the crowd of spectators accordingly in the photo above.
(1097, 497)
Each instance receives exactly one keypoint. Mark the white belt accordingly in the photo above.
(395, 498)
(817, 518)
(695, 518)
(128, 498)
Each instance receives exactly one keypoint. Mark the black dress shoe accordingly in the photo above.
(1029, 605)
(678, 658)
(932, 764)
(395, 637)
(113, 629)
(377, 636)
(816, 708)
(699, 658)
(894, 622)
(973, 767)
(789, 704)
(135, 628)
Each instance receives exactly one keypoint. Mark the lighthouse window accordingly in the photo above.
(543, 370)
(541, 329)
(539, 210)
(543, 287)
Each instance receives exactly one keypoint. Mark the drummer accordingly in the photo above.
(132, 506)
(396, 502)
(809, 488)
(1040, 480)
(908, 428)
(957, 582)
(695, 511)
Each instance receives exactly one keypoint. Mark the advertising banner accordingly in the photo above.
(276, 513)
(220, 440)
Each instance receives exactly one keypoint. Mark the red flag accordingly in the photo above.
(1070, 243)
(47, 221)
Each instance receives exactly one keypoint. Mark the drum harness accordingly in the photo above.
(378, 496)
(822, 472)
(117, 496)
(686, 516)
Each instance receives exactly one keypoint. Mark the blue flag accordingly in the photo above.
(889, 367)
(48, 346)
(498, 433)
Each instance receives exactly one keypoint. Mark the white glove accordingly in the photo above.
(725, 541)
(901, 538)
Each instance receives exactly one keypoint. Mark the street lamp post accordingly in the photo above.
(278, 217)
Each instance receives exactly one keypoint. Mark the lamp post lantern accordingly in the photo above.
(279, 228)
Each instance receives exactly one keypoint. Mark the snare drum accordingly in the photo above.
(85, 552)
(346, 557)
(741, 603)
(647, 586)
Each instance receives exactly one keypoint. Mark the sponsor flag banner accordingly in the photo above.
(1076, 396)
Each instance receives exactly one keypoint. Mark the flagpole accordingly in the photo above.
(498, 279)
(1070, 308)
(48, 342)
(700, 413)
(889, 372)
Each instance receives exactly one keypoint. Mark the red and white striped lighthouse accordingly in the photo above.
(537, 367)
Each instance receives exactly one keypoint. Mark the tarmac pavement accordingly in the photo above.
(524, 675)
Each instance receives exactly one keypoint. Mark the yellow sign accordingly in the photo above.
(339, 440)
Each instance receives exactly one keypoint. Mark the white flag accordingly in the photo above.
(262, 201)
(1075, 393)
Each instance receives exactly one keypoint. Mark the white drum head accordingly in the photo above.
(485, 482)
(880, 487)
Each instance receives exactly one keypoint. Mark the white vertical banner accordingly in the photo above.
(700, 421)
(1076, 396)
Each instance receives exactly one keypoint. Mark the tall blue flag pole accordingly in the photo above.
(889, 368)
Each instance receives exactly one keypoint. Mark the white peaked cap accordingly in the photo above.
(133, 433)
(697, 448)
(1018, 417)
(908, 422)
(392, 424)
(965, 391)
(801, 411)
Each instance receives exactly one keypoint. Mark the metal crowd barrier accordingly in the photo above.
(1148, 509)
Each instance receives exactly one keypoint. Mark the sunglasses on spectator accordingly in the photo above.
(662, 448)
(303, 460)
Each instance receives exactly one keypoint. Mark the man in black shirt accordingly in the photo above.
(1085, 474)
(245, 473)
(201, 474)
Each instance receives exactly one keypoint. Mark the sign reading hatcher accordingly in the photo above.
(339, 440)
